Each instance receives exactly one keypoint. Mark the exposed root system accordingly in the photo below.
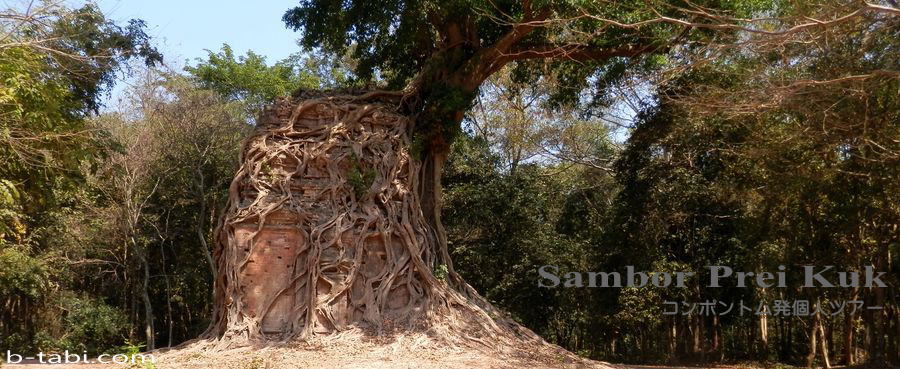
(324, 234)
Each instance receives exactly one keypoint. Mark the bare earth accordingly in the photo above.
(404, 351)
(459, 361)
(353, 350)
(277, 358)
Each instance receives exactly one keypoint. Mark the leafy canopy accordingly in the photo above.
(248, 77)
(250, 80)
(400, 39)
(56, 64)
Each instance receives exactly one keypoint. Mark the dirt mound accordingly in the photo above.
(356, 349)
(331, 253)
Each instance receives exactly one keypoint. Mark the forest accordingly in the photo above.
(587, 135)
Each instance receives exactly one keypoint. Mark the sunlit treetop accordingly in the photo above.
(462, 42)
(88, 49)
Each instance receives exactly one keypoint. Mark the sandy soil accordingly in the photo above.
(283, 357)
(261, 361)
(405, 351)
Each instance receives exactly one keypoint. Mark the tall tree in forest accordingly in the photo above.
(784, 151)
(56, 64)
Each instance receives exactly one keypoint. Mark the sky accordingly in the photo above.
(183, 29)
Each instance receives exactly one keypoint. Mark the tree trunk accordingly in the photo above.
(200, 228)
(200, 225)
(849, 355)
(896, 333)
(896, 336)
(701, 331)
(764, 333)
(672, 337)
(814, 330)
(169, 321)
(695, 337)
(333, 223)
(149, 328)
(824, 340)
(715, 349)
(829, 336)
(880, 324)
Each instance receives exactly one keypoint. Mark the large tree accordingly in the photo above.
(56, 65)
(438, 53)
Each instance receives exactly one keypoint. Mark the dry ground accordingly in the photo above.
(277, 358)
(455, 361)
(403, 351)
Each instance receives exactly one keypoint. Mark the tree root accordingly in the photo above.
(324, 232)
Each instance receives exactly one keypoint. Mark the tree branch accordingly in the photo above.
(576, 52)
(733, 24)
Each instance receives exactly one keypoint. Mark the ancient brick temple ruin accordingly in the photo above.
(323, 228)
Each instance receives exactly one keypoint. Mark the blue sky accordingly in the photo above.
(183, 29)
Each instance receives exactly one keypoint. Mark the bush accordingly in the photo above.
(79, 325)
(91, 326)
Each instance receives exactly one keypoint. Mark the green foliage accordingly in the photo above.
(47, 91)
(441, 272)
(783, 171)
(24, 282)
(133, 351)
(10, 211)
(22, 275)
(38, 118)
(248, 78)
(89, 49)
(503, 226)
(90, 325)
(360, 179)
(433, 126)
(179, 157)
(793, 181)
(399, 40)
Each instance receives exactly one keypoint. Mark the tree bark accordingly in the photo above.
(169, 320)
(896, 336)
(813, 332)
(149, 327)
(879, 317)
(333, 223)
(716, 337)
(764, 333)
(672, 337)
(200, 225)
(824, 340)
(849, 355)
